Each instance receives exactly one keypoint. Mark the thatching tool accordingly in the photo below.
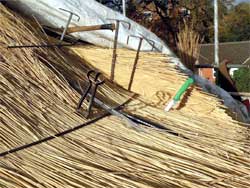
(178, 95)
(132, 119)
(151, 124)
(56, 31)
(44, 45)
(91, 28)
(59, 44)
(94, 81)
(136, 60)
(75, 29)
(68, 22)
(114, 56)
(151, 42)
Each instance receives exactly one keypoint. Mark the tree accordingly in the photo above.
(202, 15)
(236, 24)
(170, 14)
(242, 79)
(236, 27)
(166, 16)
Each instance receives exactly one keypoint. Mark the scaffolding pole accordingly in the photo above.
(216, 34)
(124, 7)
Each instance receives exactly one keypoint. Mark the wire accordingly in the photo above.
(53, 136)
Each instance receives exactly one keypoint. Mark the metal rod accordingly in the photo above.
(112, 75)
(228, 66)
(95, 83)
(238, 66)
(248, 59)
(135, 64)
(66, 27)
(114, 112)
(244, 94)
(60, 134)
(152, 124)
(42, 46)
(124, 7)
(68, 22)
(91, 100)
(216, 34)
(84, 96)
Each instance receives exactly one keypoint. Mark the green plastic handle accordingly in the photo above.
(183, 88)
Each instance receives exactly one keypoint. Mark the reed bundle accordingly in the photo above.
(155, 80)
(33, 97)
(188, 46)
(36, 101)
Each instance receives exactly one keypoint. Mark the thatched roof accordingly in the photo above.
(212, 150)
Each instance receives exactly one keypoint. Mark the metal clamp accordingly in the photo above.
(93, 78)
(151, 42)
(59, 44)
(122, 21)
(136, 61)
(68, 22)
(114, 56)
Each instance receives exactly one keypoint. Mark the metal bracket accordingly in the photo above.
(136, 61)
(122, 21)
(59, 44)
(68, 22)
(114, 56)
(151, 42)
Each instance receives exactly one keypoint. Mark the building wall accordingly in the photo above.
(207, 73)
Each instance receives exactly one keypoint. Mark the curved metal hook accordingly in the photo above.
(71, 13)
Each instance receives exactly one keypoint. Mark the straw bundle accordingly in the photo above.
(32, 95)
(155, 79)
(213, 153)
(188, 46)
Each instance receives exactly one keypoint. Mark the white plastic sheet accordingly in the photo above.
(92, 13)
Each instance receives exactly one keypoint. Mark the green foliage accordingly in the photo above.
(202, 15)
(235, 26)
(242, 79)
(234, 21)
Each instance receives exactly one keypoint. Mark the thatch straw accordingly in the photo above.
(35, 102)
(32, 95)
(155, 79)
(188, 45)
